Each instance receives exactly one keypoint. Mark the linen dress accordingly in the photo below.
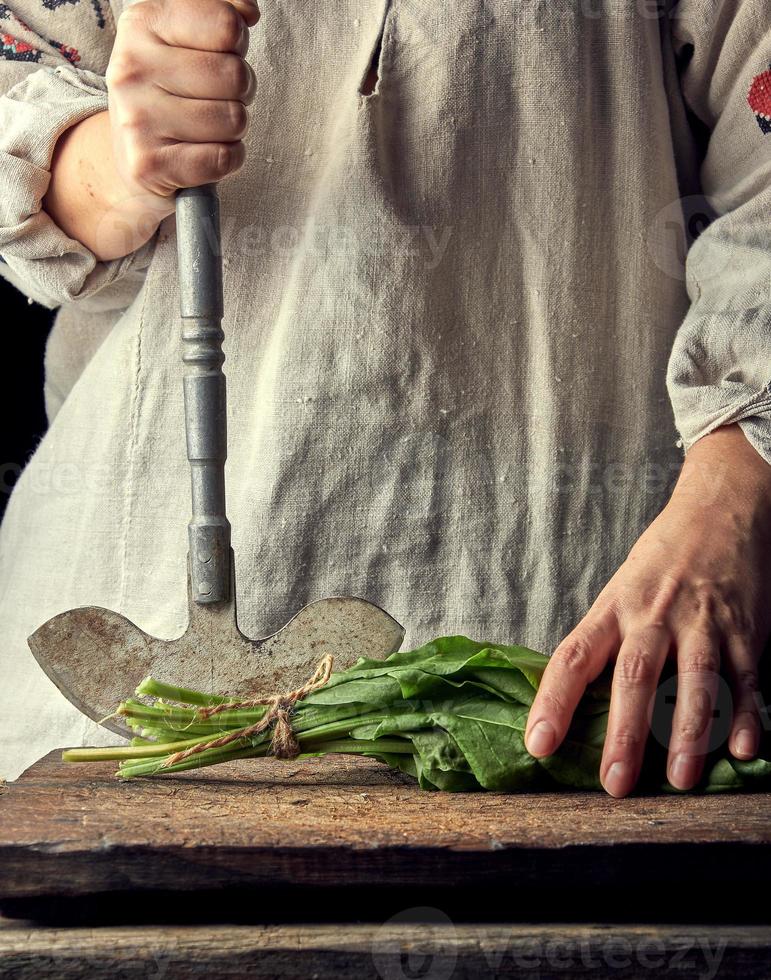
(464, 346)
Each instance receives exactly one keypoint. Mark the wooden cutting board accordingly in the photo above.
(384, 951)
(341, 821)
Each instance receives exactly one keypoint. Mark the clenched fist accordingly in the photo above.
(178, 90)
(178, 87)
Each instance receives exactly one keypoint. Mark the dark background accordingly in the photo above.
(25, 329)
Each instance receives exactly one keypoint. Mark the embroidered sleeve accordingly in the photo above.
(53, 58)
(720, 366)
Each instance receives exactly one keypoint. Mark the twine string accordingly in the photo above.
(284, 744)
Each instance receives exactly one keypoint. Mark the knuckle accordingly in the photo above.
(635, 668)
(691, 729)
(250, 87)
(211, 66)
(698, 700)
(238, 119)
(237, 74)
(627, 738)
(238, 155)
(134, 15)
(553, 703)
(747, 680)
(575, 656)
(223, 159)
(706, 602)
(122, 70)
(739, 621)
(695, 719)
(703, 660)
(226, 29)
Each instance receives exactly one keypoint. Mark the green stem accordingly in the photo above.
(340, 727)
(360, 746)
(228, 753)
(147, 751)
(172, 733)
(187, 719)
(163, 723)
(209, 758)
(170, 692)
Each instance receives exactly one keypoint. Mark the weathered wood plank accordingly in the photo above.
(75, 830)
(435, 950)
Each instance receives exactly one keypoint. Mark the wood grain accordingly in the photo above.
(76, 830)
(434, 950)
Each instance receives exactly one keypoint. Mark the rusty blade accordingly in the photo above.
(97, 657)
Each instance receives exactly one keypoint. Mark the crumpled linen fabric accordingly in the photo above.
(458, 315)
(720, 368)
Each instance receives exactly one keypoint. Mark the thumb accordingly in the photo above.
(248, 10)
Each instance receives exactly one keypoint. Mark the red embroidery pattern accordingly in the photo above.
(14, 50)
(71, 54)
(759, 98)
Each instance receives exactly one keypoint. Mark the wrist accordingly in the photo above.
(88, 198)
(127, 222)
(725, 472)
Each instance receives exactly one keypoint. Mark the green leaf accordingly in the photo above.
(451, 714)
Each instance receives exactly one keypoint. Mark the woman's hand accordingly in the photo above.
(178, 89)
(697, 587)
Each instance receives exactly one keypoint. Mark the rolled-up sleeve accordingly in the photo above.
(46, 90)
(720, 365)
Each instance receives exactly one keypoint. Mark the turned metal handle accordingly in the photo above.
(200, 286)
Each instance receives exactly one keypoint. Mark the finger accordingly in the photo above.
(577, 661)
(635, 678)
(172, 120)
(200, 163)
(196, 120)
(698, 662)
(205, 25)
(248, 9)
(205, 75)
(742, 671)
(188, 165)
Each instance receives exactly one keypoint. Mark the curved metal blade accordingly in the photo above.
(97, 657)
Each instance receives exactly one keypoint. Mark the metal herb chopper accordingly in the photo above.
(95, 656)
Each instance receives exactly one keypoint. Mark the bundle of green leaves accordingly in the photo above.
(451, 713)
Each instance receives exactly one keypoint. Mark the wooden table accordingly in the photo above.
(339, 867)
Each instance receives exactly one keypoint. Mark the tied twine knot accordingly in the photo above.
(284, 744)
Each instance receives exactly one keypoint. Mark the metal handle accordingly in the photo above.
(199, 258)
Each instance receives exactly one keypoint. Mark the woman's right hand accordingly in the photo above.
(178, 87)
(178, 90)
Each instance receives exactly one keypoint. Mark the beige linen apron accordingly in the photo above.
(450, 307)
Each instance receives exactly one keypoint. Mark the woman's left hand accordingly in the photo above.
(696, 586)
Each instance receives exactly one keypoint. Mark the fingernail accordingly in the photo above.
(680, 771)
(541, 739)
(618, 778)
(745, 743)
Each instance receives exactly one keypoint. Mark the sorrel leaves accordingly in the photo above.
(451, 713)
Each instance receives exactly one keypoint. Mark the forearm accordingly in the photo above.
(88, 199)
(723, 470)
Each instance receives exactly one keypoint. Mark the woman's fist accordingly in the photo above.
(178, 90)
